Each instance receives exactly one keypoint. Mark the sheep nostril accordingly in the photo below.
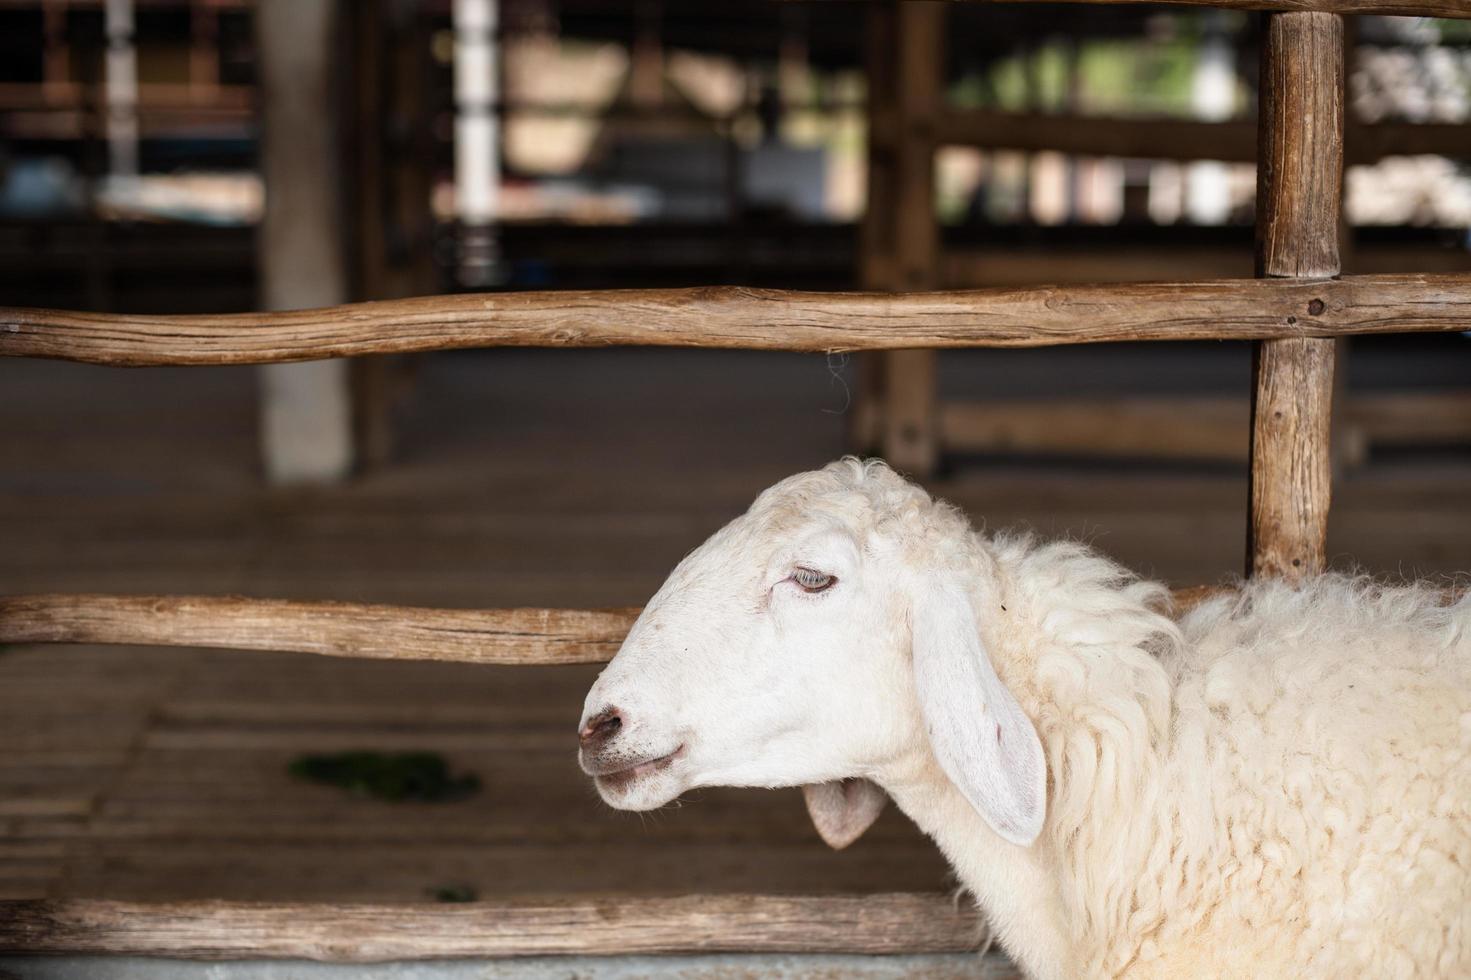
(601, 728)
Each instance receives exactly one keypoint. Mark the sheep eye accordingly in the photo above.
(811, 580)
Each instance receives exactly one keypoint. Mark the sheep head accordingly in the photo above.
(825, 633)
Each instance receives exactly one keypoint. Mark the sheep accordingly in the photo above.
(1276, 785)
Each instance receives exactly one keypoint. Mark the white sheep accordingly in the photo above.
(1278, 785)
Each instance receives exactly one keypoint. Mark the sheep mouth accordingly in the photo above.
(622, 778)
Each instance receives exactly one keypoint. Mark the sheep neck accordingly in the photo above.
(1013, 885)
(1086, 660)
(1076, 641)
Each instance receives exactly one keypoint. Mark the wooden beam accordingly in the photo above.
(1299, 184)
(911, 413)
(1299, 187)
(141, 4)
(1291, 458)
(583, 926)
(1062, 264)
(1371, 142)
(1148, 428)
(1411, 418)
(759, 319)
(876, 259)
(1407, 8)
(1189, 427)
(1155, 139)
(910, 430)
(1178, 139)
(333, 629)
(1020, 264)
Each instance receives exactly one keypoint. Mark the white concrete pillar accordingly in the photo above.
(306, 409)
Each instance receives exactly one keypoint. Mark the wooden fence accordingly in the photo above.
(735, 317)
(607, 925)
(1294, 310)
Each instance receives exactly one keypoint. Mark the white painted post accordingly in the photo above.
(121, 73)
(477, 144)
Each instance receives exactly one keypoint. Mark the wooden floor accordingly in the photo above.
(560, 479)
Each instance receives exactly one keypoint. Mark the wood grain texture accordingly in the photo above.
(759, 319)
(1291, 458)
(1407, 8)
(1299, 186)
(863, 924)
(1300, 134)
(333, 629)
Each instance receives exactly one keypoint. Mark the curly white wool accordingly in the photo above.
(1283, 778)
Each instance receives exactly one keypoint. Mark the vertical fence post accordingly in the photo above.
(911, 415)
(876, 232)
(1299, 173)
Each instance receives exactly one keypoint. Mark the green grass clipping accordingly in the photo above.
(422, 777)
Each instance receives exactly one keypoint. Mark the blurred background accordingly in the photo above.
(167, 156)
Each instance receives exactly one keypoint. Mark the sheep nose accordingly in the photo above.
(600, 728)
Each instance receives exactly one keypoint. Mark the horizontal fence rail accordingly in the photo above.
(337, 629)
(1414, 8)
(760, 319)
(1162, 138)
(613, 925)
(333, 629)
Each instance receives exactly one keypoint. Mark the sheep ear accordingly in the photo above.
(983, 740)
(842, 810)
